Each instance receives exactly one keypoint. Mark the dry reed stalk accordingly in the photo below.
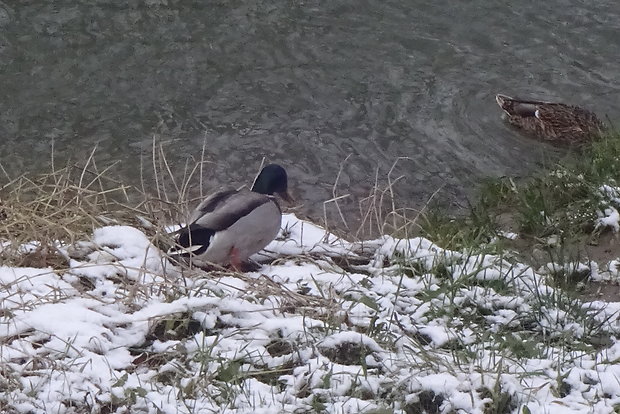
(377, 219)
(68, 203)
(34, 216)
(336, 197)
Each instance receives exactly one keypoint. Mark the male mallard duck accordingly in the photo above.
(551, 121)
(230, 226)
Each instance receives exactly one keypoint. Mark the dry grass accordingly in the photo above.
(378, 212)
(56, 208)
(66, 204)
(39, 213)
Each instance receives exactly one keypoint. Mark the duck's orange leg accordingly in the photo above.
(235, 261)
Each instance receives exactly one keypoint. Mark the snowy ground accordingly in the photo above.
(324, 326)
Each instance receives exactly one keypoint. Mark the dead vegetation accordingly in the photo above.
(61, 208)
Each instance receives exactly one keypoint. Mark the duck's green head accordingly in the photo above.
(272, 179)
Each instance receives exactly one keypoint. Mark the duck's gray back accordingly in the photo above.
(221, 210)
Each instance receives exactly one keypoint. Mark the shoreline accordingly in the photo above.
(458, 324)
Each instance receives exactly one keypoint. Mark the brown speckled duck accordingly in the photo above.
(554, 122)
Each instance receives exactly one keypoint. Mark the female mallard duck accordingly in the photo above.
(550, 121)
(230, 226)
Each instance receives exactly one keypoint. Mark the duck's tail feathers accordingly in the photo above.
(502, 99)
(516, 107)
(506, 103)
(192, 240)
(184, 251)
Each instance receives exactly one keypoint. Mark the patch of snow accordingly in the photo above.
(350, 337)
(508, 235)
(609, 217)
(124, 329)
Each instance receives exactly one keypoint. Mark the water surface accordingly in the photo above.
(302, 83)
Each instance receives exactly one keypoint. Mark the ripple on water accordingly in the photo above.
(307, 84)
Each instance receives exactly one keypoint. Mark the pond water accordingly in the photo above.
(317, 86)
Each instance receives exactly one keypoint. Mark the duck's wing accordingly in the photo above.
(570, 122)
(523, 107)
(216, 213)
(221, 211)
(568, 115)
(211, 203)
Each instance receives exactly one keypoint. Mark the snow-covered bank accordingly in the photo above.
(328, 326)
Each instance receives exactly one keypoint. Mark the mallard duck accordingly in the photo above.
(230, 226)
(555, 122)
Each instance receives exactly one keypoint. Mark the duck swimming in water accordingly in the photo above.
(230, 226)
(554, 122)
